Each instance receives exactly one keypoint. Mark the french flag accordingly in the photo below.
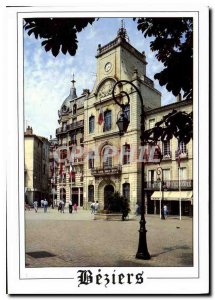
(71, 172)
(101, 116)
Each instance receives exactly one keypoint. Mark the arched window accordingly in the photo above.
(74, 108)
(126, 190)
(107, 120)
(91, 124)
(107, 157)
(90, 193)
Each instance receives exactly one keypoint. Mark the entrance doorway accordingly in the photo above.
(108, 190)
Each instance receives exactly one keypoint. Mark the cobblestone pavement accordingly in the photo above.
(76, 240)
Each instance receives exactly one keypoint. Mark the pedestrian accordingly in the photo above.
(42, 203)
(35, 205)
(96, 206)
(137, 209)
(162, 214)
(70, 206)
(62, 206)
(165, 210)
(75, 207)
(45, 205)
(92, 206)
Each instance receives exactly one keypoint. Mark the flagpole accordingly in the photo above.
(179, 187)
(53, 190)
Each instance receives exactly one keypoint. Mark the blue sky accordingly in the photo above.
(47, 79)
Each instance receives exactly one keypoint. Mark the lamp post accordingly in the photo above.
(159, 172)
(122, 123)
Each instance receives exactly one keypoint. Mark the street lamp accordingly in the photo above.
(159, 172)
(122, 123)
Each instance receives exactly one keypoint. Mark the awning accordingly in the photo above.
(173, 196)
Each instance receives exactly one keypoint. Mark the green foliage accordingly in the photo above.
(58, 34)
(173, 45)
(116, 203)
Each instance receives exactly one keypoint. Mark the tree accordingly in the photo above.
(117, 203)
(58, 34)
(173, 44)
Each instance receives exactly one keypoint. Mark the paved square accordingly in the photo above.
(76, 240)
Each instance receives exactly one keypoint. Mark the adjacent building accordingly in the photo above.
(36, 166)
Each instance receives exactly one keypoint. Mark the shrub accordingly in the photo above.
(117, 203)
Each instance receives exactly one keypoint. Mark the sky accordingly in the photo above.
(47, 79)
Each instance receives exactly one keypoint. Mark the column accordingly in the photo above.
(78, 197)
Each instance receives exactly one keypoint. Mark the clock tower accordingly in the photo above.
(119, 60)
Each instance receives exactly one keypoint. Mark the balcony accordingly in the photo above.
(78, 161)
(69, 127)
(183, 155)
(167, 156)
(170, 185)
(115, 170)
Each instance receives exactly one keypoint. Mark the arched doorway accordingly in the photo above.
(108, 190)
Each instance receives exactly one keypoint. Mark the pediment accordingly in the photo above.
(105, 88)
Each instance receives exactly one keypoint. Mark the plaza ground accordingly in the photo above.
(55, 239)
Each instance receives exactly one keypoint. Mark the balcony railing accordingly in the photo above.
(167, 156)
(183, 155)
(70, 127)
(170, 185)
(115, 170)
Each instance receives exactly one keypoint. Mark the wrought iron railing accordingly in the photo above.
(106, 171)
(170, 185)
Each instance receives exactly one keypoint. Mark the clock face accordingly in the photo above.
(108, 66)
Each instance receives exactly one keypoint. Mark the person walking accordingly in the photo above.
(62, 206)
(35, 205)
(96, 206)
(92, 206)
(70, 206)
(137, 209)
(75, 207)
(165, 210)
(45, 204)
(42, 203)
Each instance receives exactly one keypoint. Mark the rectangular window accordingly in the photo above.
(183, 173)
(166, 174)
(126, 154)
(91, 160)
(166, 148)
(107, 120)
(151, 176)
(182, 147)
(91, 124)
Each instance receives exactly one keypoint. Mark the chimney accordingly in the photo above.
(29, 130)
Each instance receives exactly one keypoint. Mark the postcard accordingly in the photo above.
(107, 185)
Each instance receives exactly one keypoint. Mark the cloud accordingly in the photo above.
(47, 80)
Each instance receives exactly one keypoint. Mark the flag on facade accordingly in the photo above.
(178, 157)
(71, 171)
(101, 116)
